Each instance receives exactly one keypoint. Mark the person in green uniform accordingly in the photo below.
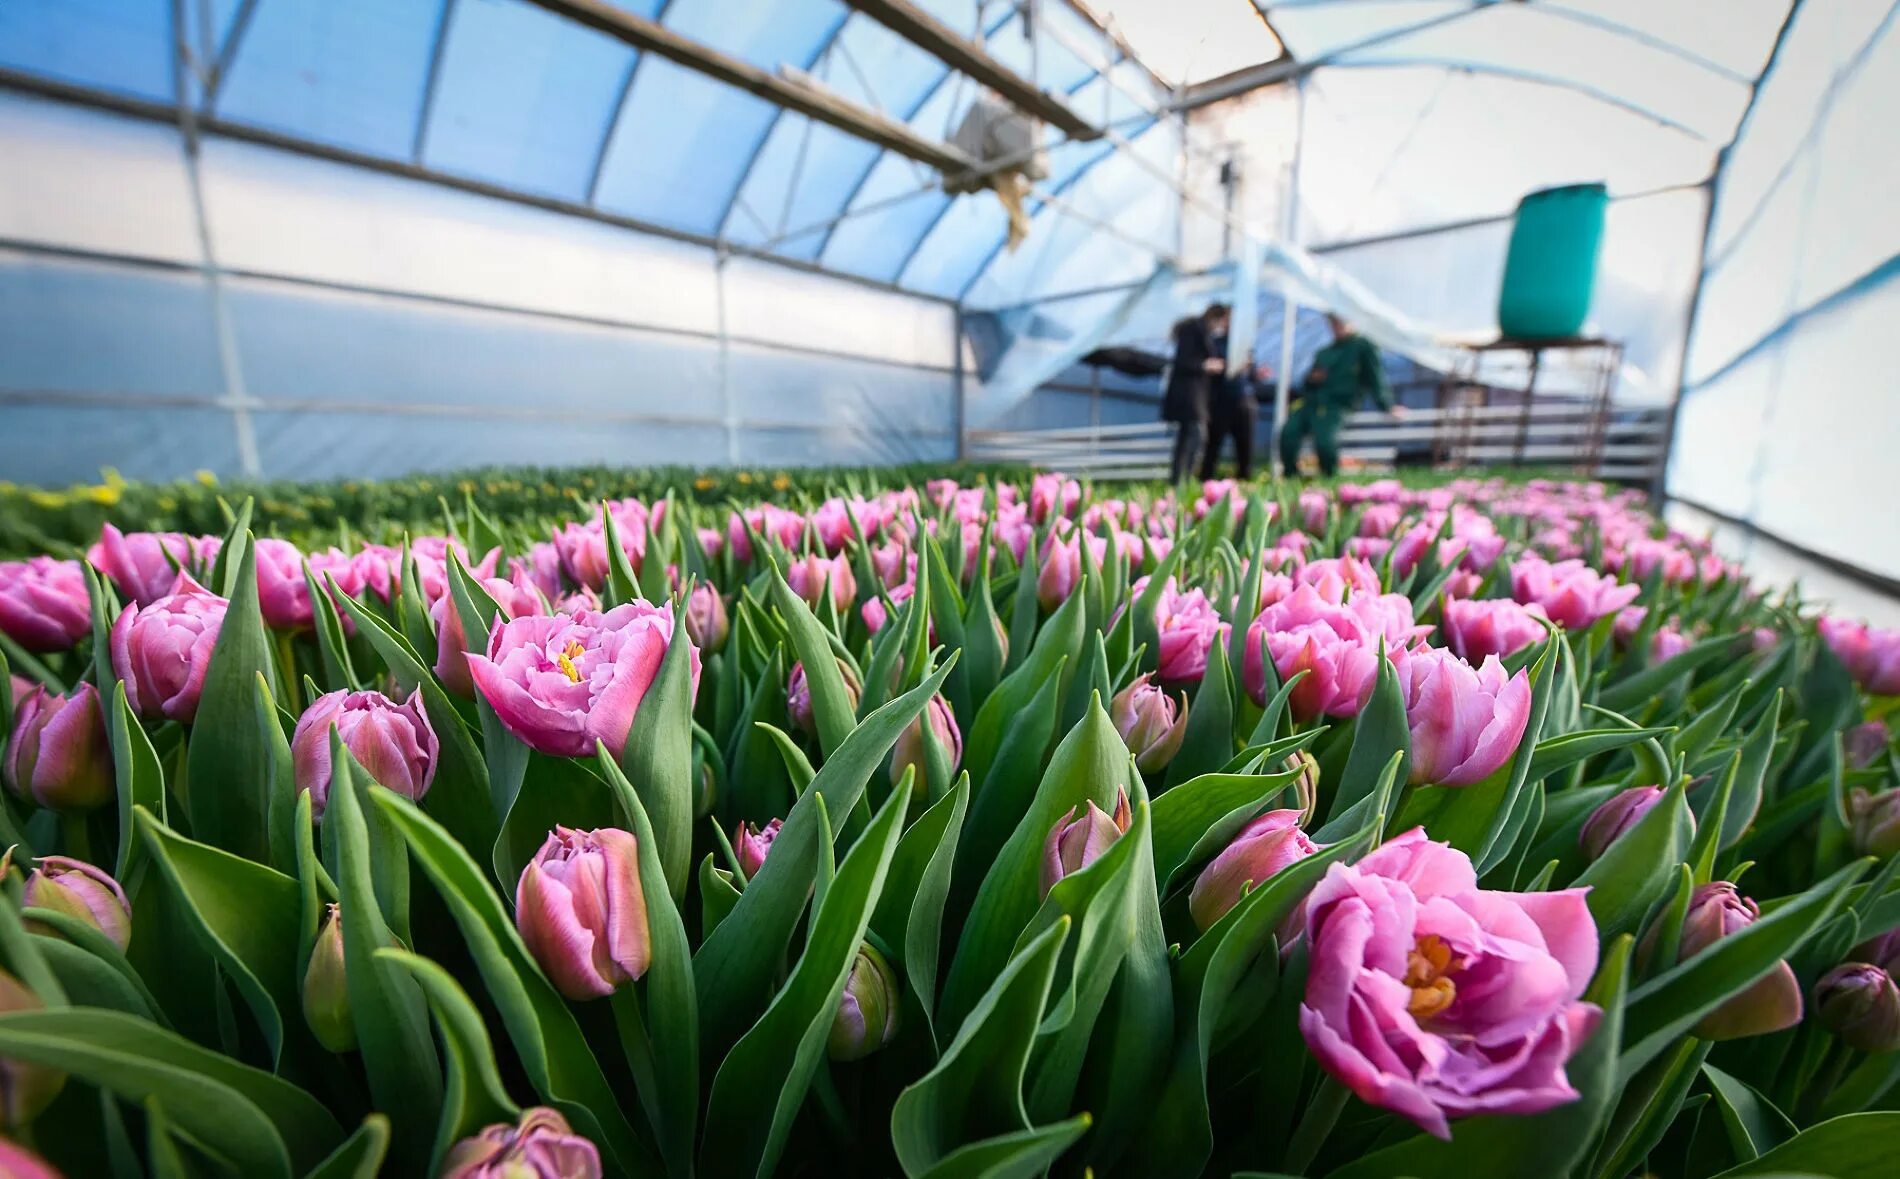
(1344, 373)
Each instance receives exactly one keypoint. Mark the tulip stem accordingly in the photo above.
(825, 1089)
(75, 838)
(1321, 1113)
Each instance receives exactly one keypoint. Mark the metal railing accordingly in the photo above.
(1620, 443)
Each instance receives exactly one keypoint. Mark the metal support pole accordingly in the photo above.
(229, 362)
(1289, 232)
(958, 408)
(1524, 416)
(729, 409)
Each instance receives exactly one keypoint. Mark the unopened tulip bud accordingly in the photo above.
(909, 750)
(1882, 951)
(541, 1145)
(162, 651)
(706, 622)
(582, 913)
(1769, 1004)
(1075, 841)
(81, 891)
(1151, 724)
(17, 1162)
(798, 695)
(394, 742)
(1874, 821)
(1265, 846)
(1864, 743)
(1859, 1003)
(867, 1012)
(751, 845)
(1616, 815)
(708, 791)
(59, 755)
(326, 993)
(25, 1089)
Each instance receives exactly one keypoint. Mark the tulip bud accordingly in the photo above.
(1860, 1004)
(708, 791)
(909, 750)
(162, 651)
(394, 742)
(25, 1089)
(81, 891)
(1265, 846)
(1864, 743)
(867, 1012)
(539, 1146)
(59, 755)
(1075, 843)
(1616, 815)
(580, 908)
(798, 695)
(1769, 1004)
(1150, 724)
(751, 844)
(1874, 821)
(706, 622)
(1882, 951)
(812, 577)
(44, 605)
(326, 993)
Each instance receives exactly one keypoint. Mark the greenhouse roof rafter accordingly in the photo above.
(965, 56)
(221, 65)
(758, 149)
(432, 79)
(1533, 77)
(808, 99)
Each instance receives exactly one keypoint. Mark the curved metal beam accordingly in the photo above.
(434, 75)
(1531, 76)
(758, 149)
(1650, 40)
(857, 188)
(620, 106)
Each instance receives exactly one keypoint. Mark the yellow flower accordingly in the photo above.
(205, 477)
(704, 483)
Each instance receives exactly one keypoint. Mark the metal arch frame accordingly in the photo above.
(989, 259)
(864, 177)
(227, 54)
(1532, 77)
(778, 116)
(1683, 53)
(619, 108)
(930, 227)
(427, 108)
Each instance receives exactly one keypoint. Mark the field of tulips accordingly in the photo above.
(858, 828)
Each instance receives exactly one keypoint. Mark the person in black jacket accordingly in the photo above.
(1199, 362)
(1236, 415)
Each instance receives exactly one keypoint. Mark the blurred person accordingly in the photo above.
(1236, 415)
(1345, 373)
(1199, 362)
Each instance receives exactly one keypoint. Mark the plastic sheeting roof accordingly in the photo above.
(506, 93)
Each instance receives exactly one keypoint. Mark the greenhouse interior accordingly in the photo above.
(949, 588)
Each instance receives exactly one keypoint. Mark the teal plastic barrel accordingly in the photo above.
(1552, 265)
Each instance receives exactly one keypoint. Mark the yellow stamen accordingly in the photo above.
(1426, 970)
(569, 654)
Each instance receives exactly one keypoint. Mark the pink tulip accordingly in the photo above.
(17, 1162)
(1379, 520)
(1149, 722)
(1337, 577)
(1053, 494)
(1314, 508)
(1572, 594)
(394, 742)
(1865, 743)
(376, 568)
(1061, 570)
(1871, 656)
(1188, 627)
(562, 682)
(706, 621)
(1076, 842)
(137, 562)
(1476, 630)
(1667, 643)
(515, 600)
(1860, 1004)
(868, 1011)
(1265, 846)
(752, 844)
(1466, 722)
(43, 603)
(1338, 646)
(58, 755)
(281, 592)
(539, 1146)
(582, 913)
(83, 892)
(1436, 999)
(161, 650)
(833, 525)
(812, 577)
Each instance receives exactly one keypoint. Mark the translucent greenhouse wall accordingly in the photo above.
(1788, 419)
(365, 324)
